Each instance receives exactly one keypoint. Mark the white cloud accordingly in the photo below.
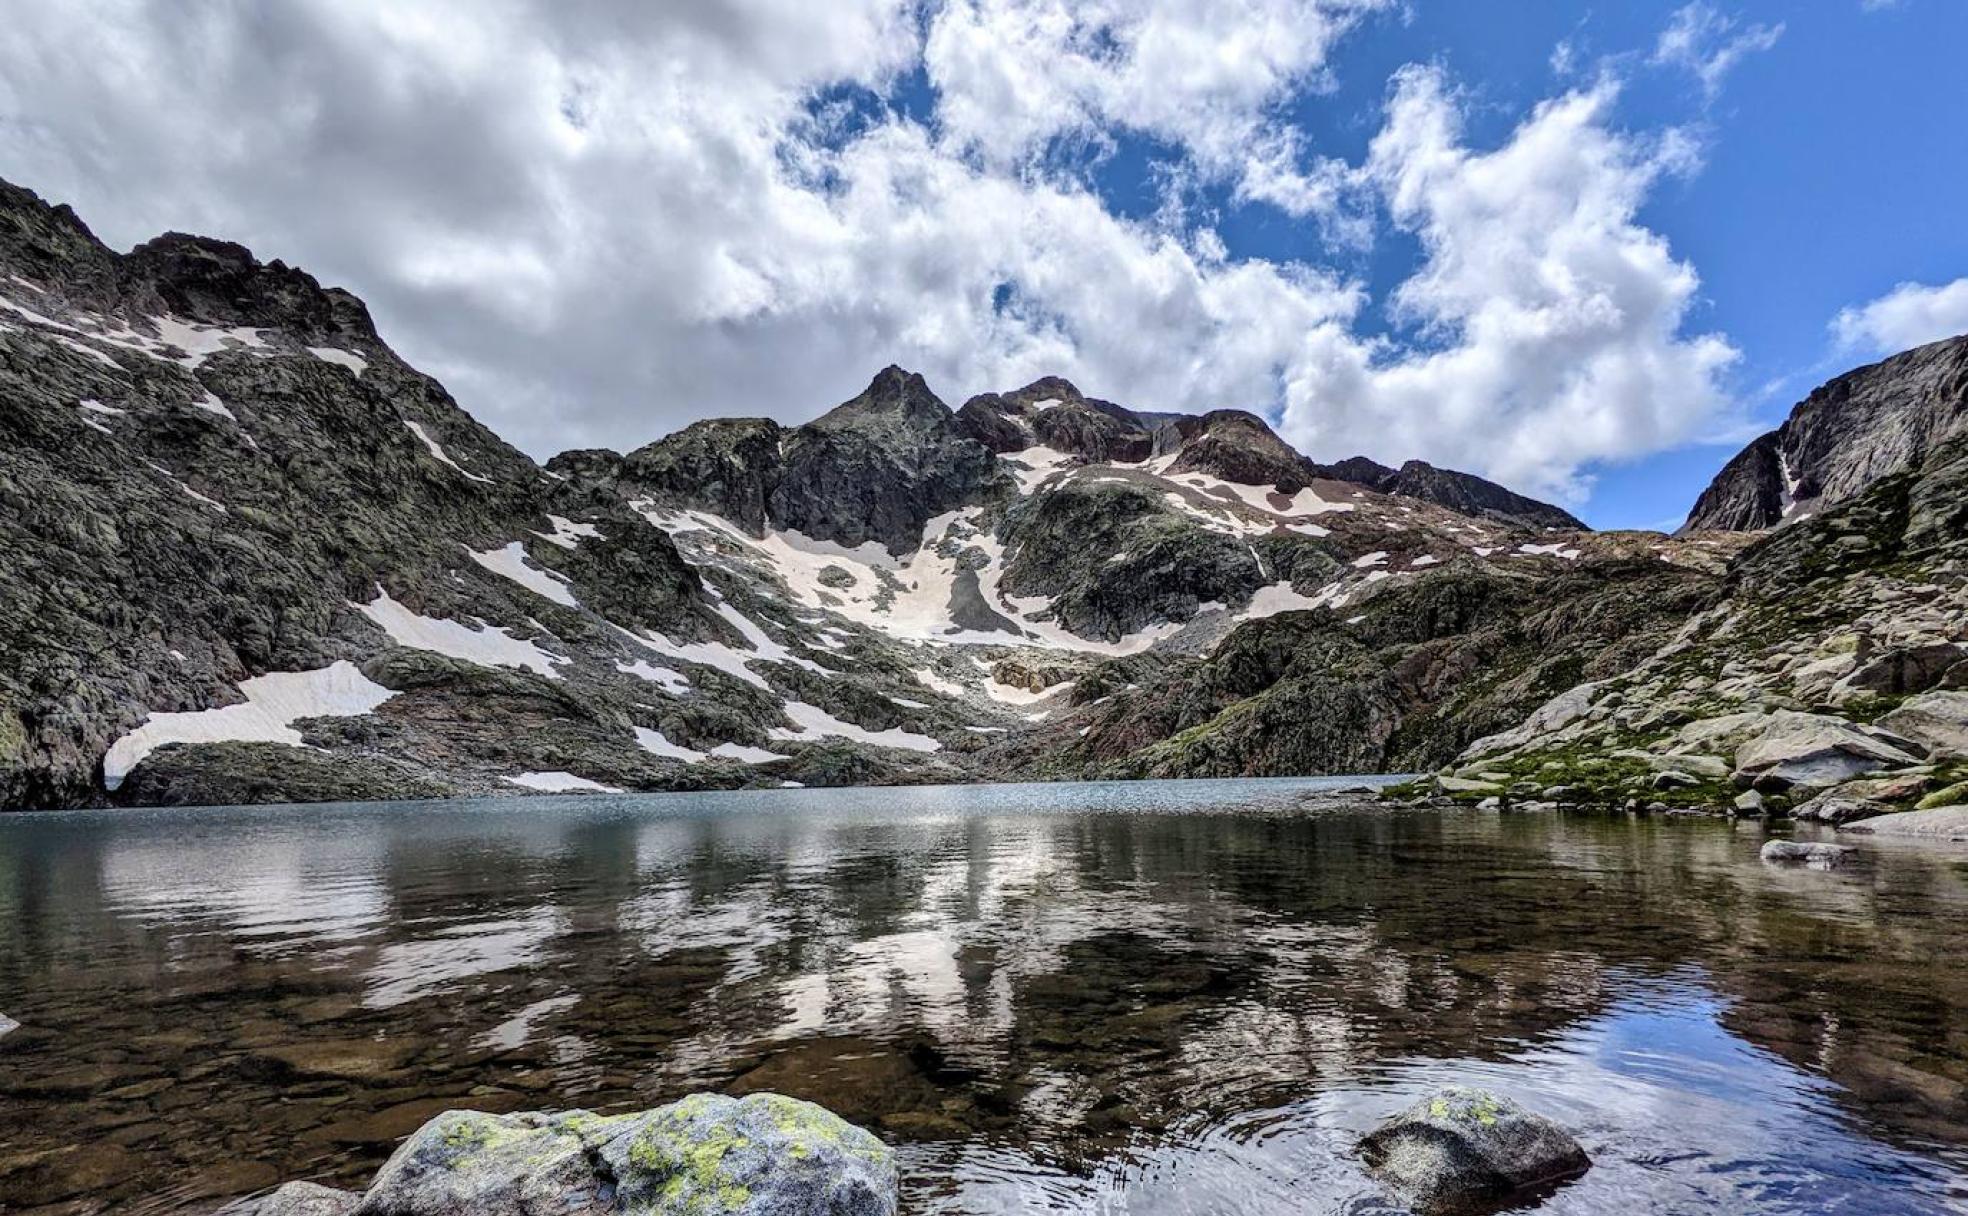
(597, 222)
(1707, 43)
(1910, 315)
(1555, 316)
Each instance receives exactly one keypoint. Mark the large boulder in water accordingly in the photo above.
(762, 1155)
(1462, 1150)
(298, 1199)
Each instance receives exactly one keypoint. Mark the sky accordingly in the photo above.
(1587, 250)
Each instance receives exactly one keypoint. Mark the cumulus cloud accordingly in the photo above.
(1549, 317)
(596, 222)
(1911, 314)
(1710, 44)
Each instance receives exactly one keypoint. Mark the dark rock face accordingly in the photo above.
(1858, 429)
(1236, 446)
(1052, 413)
(1463, 492)
(1466, 1150)
(871, 469)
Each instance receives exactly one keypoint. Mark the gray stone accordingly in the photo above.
(1464, 785)
(1948, 823)
(298, 1199)
(1460, 1147)
(1938, 721)
(1670, 779)
(1749, 804)
(7, 1025)
(1800, 749)
(1817, 855)
(762, 1155)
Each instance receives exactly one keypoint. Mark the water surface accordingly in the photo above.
(1175, 997)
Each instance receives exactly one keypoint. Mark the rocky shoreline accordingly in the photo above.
(1458, 1150)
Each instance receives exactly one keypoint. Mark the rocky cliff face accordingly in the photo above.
(1866, 425)
(246, 553)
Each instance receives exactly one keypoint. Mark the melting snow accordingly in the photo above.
(510, 562)
(655, 744)
(672, 682)
(1040, 464)
(437, 451)
(1280, 597)
(1372, 559)
(1556, 549)
(566, 533)
(557, 782)
(490, 645)
(750, 755)
(809, 720)
(274, 702)
(354, 362)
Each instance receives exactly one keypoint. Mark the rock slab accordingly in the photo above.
(1461, 1149)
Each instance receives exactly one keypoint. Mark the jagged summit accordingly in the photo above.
(1847, 435)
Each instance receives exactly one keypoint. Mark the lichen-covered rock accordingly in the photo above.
(464, 1163)
(1947, 823)
(761, 1155)
(1817, 855)
(1462, 1147)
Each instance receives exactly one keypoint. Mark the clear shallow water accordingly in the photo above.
(1154, 998)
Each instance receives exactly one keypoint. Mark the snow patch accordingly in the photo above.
(438, 452)
(567, 533)
(673, 682)
(655, 744)
(510, 562)
(557, 782)
(811, 720)
(488, 646)
(274, 702)
(349, 359)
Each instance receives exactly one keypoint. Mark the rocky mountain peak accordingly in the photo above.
(1235, 445)
(894, 394)
(1849, 434)
(222, 283)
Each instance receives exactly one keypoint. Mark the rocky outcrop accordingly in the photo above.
(1849, 435)
(1460, 1149)
(1463, 492)
(1947, 824)
(762, 1155)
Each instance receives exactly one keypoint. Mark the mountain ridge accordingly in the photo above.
(249, 554)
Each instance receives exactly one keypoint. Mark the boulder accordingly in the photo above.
(1953, 795)
(1815, 750)
(1811, 853)
(1749, 805)
(761, 1155)
(1462, 1147)
(7, 1025)
(1464, 785)
(1862, 799)
(1670, 779)
(1938, 721)
(1941, 823)
(1902, 670)
(297, 1199)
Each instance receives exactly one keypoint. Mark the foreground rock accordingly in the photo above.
(761, 1155)
(1817, 856)
(1947, 823)
(1466, 1149)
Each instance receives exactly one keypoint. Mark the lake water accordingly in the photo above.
(1174, 997)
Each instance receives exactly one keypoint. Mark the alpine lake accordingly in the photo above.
(1159, 997)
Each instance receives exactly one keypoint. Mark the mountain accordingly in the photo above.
(1868, 424)
(248, 554)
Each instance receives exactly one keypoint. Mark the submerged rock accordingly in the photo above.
(1816, 855)
(1462, 1149)
(298, 1199)
(762, 1155)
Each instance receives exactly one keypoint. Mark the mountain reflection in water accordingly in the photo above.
(1145, 998)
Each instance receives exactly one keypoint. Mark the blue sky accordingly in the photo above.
(1584, 249)
(1834, 165)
